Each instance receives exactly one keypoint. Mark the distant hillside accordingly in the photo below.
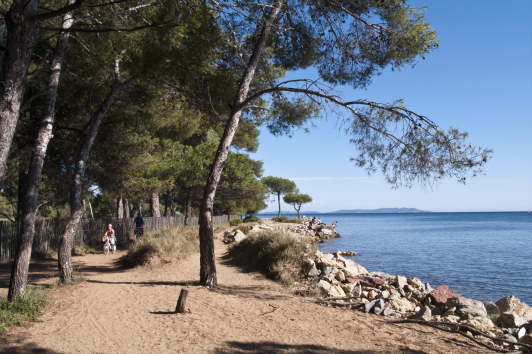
(382, 210)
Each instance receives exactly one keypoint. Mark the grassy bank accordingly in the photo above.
(273, 253)
(167, 245)
(24, 310)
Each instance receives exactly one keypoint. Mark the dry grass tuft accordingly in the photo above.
(273, 253)
(163, 246)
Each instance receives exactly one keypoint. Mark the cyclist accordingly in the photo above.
(139, 224)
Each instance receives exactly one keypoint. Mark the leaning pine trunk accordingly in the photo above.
(207, 261)
(279, 201)
(19, 274)
(16, 60)
(126, 208)
(67, 240)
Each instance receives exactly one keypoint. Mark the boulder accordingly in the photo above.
(340, 276)
(329, 256)
(372, 282)
(451, 319)
(521, 332)
(511, 319)
(415, 282)
(324, 286)
(372, 295)
(330, 270)
(325, 262)
(400, 305)
(482, 324)
(314, 272)
(427, 288)
(513, 304)
(369, 306)
(384, 295)
(387, 312)
(400, 282)
(379, 307)
(339, 291)
(491, 308)
(424, 314)
(507, 337)
(526, 339)
(441, 294)
(348, 288)
(450, 312)
(357, 269)
(467, 307)
(357, 291)
(352, 279)
(239, 236)
(326, 232)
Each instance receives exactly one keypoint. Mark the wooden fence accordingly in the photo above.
(48, 232)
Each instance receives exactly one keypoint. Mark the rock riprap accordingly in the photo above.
(397, 296)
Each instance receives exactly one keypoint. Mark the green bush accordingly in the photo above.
(235, 222)
(273, 253)
(244, 229)
(253, 219)
(165, 245)
(23, 310)
(284, 219)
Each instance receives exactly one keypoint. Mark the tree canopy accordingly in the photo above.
(297, 199)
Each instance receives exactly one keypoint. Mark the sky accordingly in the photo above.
(479, 80)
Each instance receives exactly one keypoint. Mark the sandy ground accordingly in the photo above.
(130, 311)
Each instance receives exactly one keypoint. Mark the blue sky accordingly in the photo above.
(479, 80)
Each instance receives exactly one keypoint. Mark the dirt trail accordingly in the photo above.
(130, 311)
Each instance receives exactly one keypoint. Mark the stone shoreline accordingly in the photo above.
(345, 283)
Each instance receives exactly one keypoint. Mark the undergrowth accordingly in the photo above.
(284, 219)
(273, 253)
(23, 310)
(165, 246)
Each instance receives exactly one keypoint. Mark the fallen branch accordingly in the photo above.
(459, 328)
(267, 312)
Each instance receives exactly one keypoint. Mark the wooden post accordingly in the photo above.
(180, 307)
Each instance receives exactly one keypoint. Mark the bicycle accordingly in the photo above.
(106, 248)
(138, 232)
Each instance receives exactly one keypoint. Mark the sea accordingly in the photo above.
(483, 256)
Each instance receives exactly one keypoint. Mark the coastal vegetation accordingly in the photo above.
(143, 107)
(167, 245)
(27, 309)
(273, 253)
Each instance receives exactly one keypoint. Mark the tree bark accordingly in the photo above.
(126, 209)
(166, 198)
(67, 239)
(119, 208)
(90, 207)
(188, 208)
(19, 42)
(84, 207)
(207, 259)
(279, 202)
(154, 205)
(19, 274)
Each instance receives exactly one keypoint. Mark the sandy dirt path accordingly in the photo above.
(130, 311)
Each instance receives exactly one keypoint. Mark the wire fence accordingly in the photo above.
(48, 231)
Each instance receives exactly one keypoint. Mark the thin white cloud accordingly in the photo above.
(331, 178)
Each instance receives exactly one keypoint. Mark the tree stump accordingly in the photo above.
(181, 302)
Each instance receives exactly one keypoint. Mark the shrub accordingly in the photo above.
(165, 245)
(244, 229)
(23, 310)
(273, 253)
(284, 219)
(253, 219)
(235, 222)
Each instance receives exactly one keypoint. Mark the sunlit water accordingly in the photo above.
(483, 256)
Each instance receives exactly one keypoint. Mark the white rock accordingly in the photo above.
(511, 319)
(400, 281)
(239, 236)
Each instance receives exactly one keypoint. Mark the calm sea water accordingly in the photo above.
(484, 256)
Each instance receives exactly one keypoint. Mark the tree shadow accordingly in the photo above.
(148, 283)
(26, 348)
(252, 291)
(280, 348)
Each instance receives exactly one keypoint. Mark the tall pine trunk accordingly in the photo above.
(207, 259)
(16, 60)
(188, 208)
(119, 208)
(154, 205)
(67, 239)
(279, 202)
(19, 273)
(126, 208)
